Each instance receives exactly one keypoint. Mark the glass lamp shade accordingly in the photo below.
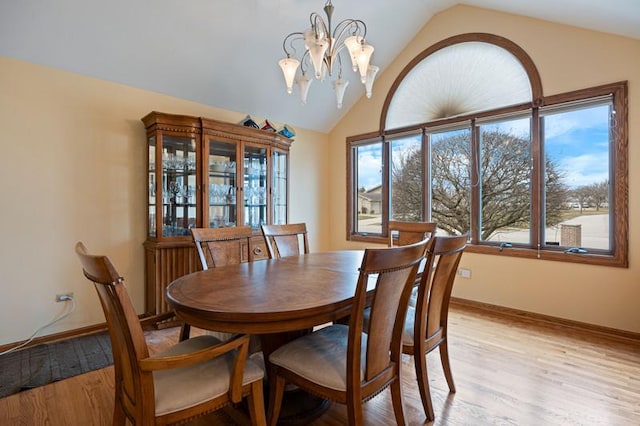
(304, 82)
(289, 67)
(317, 48)
(363, 57)
(353, 44)
(372, 70)
(340, 85)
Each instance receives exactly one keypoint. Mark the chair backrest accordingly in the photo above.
(403, 233)
(223, 246)
(127, 338)
(286, 240)
(436, 284)
(394, 271)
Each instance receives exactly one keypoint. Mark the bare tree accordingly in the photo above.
(582, 195)
(504, 178)
(596, 194)
(556, 193)
(406, 194)
(451, 183)
(599, 193)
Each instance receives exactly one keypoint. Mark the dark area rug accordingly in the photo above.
(42, 364)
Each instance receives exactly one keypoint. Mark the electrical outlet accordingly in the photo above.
(64, 297)
(464, 273)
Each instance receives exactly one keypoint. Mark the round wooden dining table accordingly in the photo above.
(269, 296)
(277, 299)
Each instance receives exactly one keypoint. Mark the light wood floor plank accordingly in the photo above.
(508, 371)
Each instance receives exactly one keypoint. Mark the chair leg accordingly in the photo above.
(355, 416)
(398, 401)
(119, 417)
(422, 375)
(446, 366)
(276, 391)
(256, 404)
(185, 330)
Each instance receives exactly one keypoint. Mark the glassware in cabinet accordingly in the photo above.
(151, 169)
(255, 186)
(222, 187)
(179, 182)
(279, 187)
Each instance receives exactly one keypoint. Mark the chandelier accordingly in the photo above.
(322, 51)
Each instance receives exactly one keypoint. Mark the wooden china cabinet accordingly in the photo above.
(206, 173)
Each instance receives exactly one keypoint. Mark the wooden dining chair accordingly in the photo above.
(286, 240)
(340, 362)
(403, 233)
(223, 246)
(426, 325)
(189, 379)
(220, 247)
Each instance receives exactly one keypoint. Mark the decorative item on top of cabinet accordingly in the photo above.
(207, 173)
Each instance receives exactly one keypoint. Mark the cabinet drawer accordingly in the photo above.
(259, 248)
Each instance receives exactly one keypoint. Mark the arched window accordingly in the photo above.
(468, 140)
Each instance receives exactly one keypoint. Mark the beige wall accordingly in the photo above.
(567, 58)
(73, 169)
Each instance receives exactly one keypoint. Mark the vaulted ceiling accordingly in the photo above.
(224, 53)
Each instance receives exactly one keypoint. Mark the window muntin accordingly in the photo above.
(367, 163)
(406, 178)
(451, 180)
(505, 180)
(578, 139)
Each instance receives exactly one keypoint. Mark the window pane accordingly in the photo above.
(505, 191)
(451, 181)
(577, 143)
(368, 186)
(406, 178)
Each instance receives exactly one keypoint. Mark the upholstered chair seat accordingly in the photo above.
(321, 357)
(185, 387)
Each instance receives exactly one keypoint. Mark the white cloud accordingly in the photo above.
(585, 169)
(369, 169)
(567, 122)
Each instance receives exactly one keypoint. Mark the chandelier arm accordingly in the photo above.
(304, 62)
(290, 39)
(345, 26)
(317, 21)
(339, 66)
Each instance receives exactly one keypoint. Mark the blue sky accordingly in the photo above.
(579, 142)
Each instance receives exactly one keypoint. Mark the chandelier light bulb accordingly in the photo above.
(363, 57)
(340, 85)
(304, 81)
(353, 44)
(317, 51)
(289, 67)
(371, 76)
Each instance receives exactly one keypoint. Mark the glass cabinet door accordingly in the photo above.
(178, 185)
(255, 186)
(152, 232)
(279, 187)
(222, 184)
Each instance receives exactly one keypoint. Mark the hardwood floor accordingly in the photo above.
(508, 371)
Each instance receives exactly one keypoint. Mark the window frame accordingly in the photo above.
(618, 205)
